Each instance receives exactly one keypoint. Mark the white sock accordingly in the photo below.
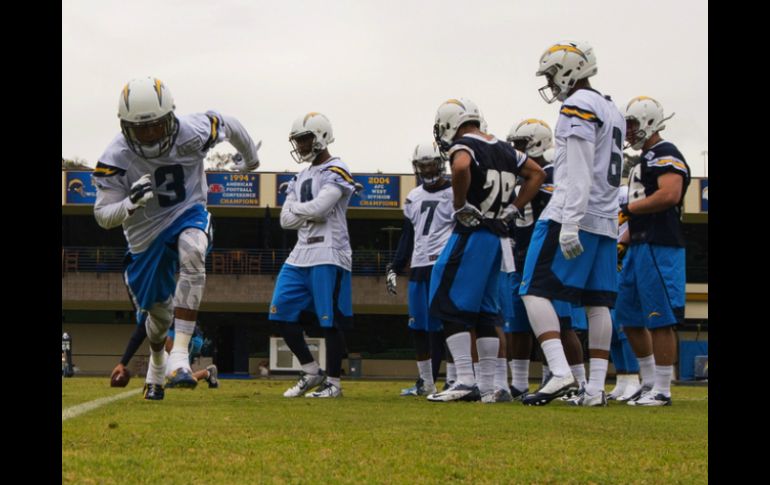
(621, 381)
(647, 370)
(554, 355)
(501, 374)
(579, 371)
(156, 374)
(180, 354)
(460, 346)
(663, 375)
(158, 358)
(488, 348)
(597, 376)
(426, 372)
(335, 381)
(546, 373)
(520, 374)
(451, 372)
(311, 368)
(632, 380)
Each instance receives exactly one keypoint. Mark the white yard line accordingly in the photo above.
(79, 409)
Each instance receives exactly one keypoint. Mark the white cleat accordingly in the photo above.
(305, 383)
(326, 390)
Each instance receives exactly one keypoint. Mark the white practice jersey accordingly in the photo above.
(431, 216)
(323, 242)
(588, 115)
(179, 180)
(622, 199)
(507, 264)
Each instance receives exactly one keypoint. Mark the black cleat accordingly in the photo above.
(153, 392)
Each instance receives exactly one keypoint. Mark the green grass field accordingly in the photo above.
(246, 432)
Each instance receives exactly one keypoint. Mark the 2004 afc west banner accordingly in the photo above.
(379, 191)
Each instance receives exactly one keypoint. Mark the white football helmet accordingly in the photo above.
(428, 163)
(146, 112)
(450, 115)
(314, 124)
(649, 114)
(483, 123)
(563, 64)
(531, 136)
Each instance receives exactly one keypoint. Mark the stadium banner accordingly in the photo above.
(704, 195)
(232, 189)
(379, 192)
(279, 179)
(80, 190)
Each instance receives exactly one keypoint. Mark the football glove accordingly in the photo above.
(468, 215)
(245, 167)
(390, 279)
(141, 192)
(622, 250)
(510, 213)
(569, 241)
(624, 215)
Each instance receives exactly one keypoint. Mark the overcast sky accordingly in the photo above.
(377, 69)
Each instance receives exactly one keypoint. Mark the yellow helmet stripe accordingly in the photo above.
(308, 116)
(455, 101)
(158, 86)
(125, 95)
(567, 48)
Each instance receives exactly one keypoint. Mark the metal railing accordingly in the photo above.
(79, 259)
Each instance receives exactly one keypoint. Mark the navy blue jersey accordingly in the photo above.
(521, 231)
(494, 167)
(663, 228)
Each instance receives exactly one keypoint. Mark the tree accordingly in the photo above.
(219, 161)
(76, 163)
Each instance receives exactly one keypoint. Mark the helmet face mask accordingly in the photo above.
(147, 120)
(310, 135)
(428, 164)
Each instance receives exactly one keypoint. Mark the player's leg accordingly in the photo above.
(599, 294)
(331, 290)
(291, 295)
(663, 297)
(192, 246)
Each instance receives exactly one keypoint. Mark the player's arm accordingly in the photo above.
(579, 170)
(461, 177)
(114, 204)
(322, 204)
(534, 176)
(237, 135)
(668, 195)
(288, 219)
(405, 247)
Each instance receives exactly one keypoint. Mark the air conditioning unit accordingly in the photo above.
(282, 359)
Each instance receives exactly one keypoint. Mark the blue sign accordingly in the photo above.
(704, 195)
(80, 190)
(280, 179)
(379, 192)
(232, 189)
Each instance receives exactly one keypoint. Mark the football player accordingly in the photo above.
(428, 224)
(151, 180)
(317, 275)
(651, 293)
(464, 283)
(572, 255)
